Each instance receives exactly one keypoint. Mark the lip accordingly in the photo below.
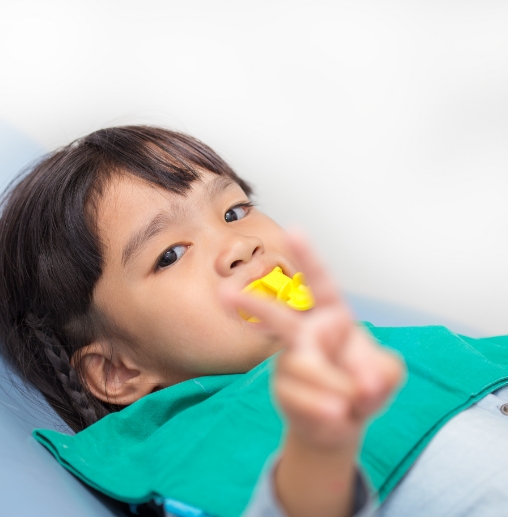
(286, 267)
(263, 273)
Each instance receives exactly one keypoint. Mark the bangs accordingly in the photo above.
(164, 158)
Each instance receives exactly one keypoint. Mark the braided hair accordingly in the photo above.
(66, 375)
(51, 254)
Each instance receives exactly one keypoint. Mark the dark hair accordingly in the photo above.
(50, 252)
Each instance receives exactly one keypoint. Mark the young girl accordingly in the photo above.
(122, 258)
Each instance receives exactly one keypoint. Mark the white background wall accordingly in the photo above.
(381, 126)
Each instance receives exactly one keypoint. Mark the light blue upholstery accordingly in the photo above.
(31, 482)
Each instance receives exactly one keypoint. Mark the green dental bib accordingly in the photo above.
(205, 441)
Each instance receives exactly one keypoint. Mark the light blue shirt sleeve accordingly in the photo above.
(463, 471)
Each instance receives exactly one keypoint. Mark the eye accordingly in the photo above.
(170, 256)
(237, 212)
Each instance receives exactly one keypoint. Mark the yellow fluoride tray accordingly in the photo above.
(277, 286)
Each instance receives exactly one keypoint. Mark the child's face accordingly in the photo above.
(165, 259)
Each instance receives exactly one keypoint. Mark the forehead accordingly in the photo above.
(126, 195)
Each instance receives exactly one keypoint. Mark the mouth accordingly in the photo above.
(277, 286)
(265, 271)
(266, 286)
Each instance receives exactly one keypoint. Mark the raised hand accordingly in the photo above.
(331, 375)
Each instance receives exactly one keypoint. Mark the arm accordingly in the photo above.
(330, 378)
(312, 481)
(327, 398)
(264, 502)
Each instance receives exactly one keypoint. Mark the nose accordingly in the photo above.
(237, 250)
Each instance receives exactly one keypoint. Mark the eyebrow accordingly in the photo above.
(140, 238)
(219, 185)
(163, 219)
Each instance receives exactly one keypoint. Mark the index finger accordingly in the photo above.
(317, 276)
(280, 320)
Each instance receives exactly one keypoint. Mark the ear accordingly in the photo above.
(115, 379)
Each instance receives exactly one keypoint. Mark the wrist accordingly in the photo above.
(312, 480)
(310, 452)
(326, 441)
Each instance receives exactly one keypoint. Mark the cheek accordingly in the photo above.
(184, 312)
(190, 313)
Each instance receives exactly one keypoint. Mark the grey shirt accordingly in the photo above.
(464, 470)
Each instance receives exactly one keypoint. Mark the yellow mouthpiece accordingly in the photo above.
(277, 286)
